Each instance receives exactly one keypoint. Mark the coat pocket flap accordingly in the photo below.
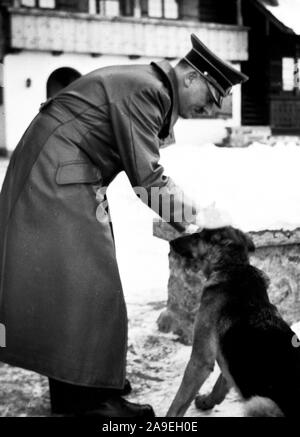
(77, 172)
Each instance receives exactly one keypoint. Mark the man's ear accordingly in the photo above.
(189, 78)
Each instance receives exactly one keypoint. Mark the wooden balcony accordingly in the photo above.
(285, 114)
(36, 29)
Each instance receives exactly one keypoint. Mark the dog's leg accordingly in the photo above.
(217, 395)
(200, 365)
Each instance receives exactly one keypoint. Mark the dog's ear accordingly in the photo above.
(226, 236)
(185, 246)
(229, 236)
(263, 276)
(246, 240)
(250, 244)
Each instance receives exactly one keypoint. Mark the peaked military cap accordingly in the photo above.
(217, 72)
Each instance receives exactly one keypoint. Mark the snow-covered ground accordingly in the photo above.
(259, 187)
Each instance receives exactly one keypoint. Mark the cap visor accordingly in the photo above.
(215, 95)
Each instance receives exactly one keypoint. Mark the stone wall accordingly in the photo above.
(277, 254)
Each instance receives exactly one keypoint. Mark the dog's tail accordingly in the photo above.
(262, 407)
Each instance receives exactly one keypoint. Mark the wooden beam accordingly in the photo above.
(239, 13)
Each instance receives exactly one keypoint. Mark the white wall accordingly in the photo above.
(22, 103)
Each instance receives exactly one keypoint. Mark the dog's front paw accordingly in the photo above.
(204, 402)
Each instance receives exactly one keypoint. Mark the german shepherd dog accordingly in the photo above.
(237, 326)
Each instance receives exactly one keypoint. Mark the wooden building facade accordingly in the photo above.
(243, 32)
(271, 96)
(51, 42)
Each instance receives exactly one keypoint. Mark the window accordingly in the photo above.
(163, 9)
(171, 9)
(144, 8)
(155, 8)
(28, 3)
(106, 8)
(45, 4)
(59, 79)
(127, 8)
(290, 74)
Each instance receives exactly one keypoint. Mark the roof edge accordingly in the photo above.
(275, 20)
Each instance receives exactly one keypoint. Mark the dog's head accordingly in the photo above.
(213, 248)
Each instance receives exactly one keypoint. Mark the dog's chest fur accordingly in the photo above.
(232, 294)
(253, 341)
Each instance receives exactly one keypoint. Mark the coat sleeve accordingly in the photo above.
(136, 123)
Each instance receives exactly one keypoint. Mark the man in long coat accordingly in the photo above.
(61, 298)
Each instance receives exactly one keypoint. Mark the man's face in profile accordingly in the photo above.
(195, 96)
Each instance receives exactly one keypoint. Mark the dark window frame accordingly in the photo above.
(126, 8)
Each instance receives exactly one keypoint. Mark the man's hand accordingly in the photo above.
(191, 229)
(210, 217)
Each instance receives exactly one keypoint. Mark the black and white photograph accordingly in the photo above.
(149, 211)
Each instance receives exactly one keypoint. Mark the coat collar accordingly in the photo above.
(168, 72)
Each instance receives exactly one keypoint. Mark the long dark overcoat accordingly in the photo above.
(61, 297)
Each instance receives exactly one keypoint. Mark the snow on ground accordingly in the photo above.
(259, 187)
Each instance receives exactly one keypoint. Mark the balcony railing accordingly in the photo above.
(285, 114)
(84, 33)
